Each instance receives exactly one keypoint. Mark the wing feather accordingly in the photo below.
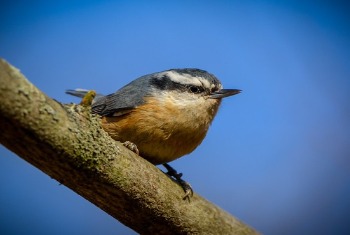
(123, 100)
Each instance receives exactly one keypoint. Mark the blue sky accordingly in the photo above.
(277, 155)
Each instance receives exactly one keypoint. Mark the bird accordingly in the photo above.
(165, 115)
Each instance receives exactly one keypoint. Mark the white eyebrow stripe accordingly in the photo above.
(205, 83)
(185, 79)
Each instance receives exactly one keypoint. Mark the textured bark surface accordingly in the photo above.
(67, 143)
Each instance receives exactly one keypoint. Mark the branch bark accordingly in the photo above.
(67, 143)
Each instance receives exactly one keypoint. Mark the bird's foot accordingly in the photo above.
(131, 146)
(172, 173)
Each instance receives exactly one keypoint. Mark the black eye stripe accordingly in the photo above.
(165, 83)
(195, 89)
(213, 89)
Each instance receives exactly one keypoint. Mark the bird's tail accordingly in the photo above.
(77, 92)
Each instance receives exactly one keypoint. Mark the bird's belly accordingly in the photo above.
(165, 148)
(157, 143)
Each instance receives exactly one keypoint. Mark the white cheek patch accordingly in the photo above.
(180, 100)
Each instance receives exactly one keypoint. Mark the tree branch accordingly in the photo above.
(67, 143)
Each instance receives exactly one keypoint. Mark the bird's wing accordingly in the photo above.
(123, 101)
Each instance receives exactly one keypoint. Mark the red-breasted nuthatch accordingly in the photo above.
(165, 114)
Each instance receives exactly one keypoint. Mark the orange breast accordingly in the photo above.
(162, 132)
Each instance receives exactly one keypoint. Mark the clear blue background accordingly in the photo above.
(277, 156)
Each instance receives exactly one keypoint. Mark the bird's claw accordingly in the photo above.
(172, 173)
(131, 146)
(188, 190)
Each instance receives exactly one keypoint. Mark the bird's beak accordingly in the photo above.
(224, 93)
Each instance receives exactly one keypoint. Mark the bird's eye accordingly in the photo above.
(195, 89)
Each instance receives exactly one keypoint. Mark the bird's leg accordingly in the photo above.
(177, 176)
(172, 173)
